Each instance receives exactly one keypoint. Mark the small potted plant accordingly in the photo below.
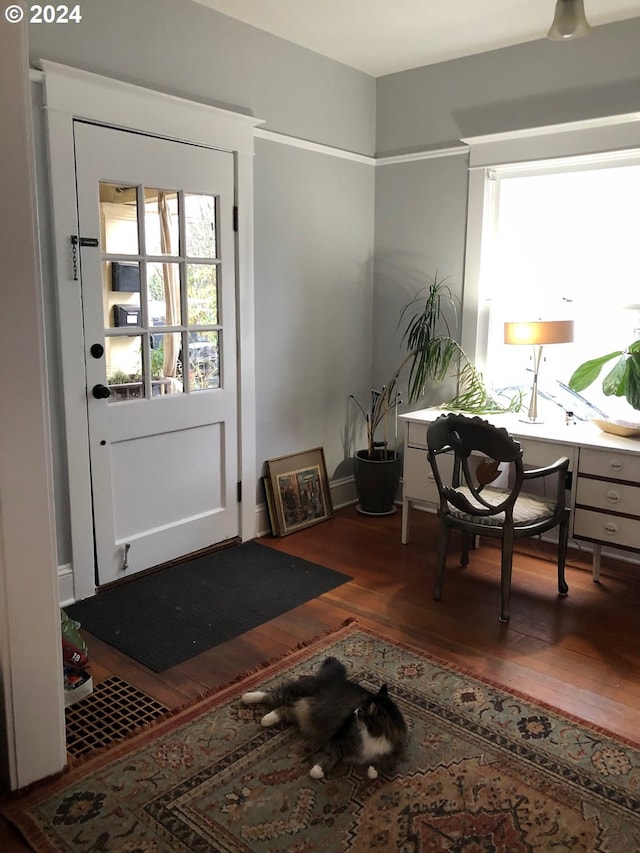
(377, 468)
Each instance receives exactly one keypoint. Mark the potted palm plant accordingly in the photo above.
(377, 468)
(433, 354)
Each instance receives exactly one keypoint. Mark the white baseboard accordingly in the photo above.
(65, 584)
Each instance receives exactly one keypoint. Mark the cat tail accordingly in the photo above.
(332, 668)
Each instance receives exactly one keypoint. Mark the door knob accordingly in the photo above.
(100, 392)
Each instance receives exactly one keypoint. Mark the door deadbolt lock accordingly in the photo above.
(100, 392)
(97, 350)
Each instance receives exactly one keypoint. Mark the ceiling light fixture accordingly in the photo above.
(569, 21)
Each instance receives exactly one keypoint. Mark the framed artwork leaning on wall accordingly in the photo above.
(297, 488)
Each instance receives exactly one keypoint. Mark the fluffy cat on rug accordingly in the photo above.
(341, 719)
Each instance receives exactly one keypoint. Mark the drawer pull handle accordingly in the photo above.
(613, 497)
(610, 528)
(616, 466)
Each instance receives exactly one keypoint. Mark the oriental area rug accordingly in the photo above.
(484, 770)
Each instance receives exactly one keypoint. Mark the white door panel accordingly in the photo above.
(159, 296)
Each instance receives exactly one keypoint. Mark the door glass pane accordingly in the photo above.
(202, 294)
(166, 364)
(161, 222)
(163, 292)
(204, 360)
(119, 219)
(120, 289)
(200, 225)
(124, 367)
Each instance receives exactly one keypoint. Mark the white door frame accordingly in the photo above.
(32, 725)
(73, 94)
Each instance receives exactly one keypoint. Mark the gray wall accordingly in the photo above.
(313, 279)
(186, 49)
(419, 234)
(313, 212)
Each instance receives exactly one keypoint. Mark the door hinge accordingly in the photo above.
(239, 491)
(235, 217)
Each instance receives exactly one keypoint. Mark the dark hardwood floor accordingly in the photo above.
(580, 654)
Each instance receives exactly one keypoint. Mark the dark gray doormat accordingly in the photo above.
(171, 615)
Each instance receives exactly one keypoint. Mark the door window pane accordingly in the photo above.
(119, 219)
(202, 294)
(200, 225)
(161, 222)
(120, 290)
(155, 362)
(166, 364)
(163, 294)
(204, 360)
(124, 367)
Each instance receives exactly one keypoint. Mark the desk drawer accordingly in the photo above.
(417, 435)
(610, 496)
(608, 529)
(610, 464)
(537, 454)
(419, 482)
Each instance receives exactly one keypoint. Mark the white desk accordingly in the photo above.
(605, 484)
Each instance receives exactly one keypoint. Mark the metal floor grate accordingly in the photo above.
(112, 712)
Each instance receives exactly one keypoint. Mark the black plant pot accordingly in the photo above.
(377, 481)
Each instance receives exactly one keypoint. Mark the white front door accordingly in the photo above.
(159, 308)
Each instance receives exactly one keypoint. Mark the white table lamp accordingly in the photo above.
(536, 334)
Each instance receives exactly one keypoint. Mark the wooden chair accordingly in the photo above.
(456, 444)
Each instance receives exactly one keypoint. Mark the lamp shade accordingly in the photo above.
(539, 332)
(569, 21)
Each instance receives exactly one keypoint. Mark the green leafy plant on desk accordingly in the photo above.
(433, 353)
(623, 380)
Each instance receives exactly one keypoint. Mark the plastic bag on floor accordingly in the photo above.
(75, 654)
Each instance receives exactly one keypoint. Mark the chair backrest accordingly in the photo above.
(469, 439)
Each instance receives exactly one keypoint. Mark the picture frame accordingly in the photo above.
(268, 493)
(297, 490)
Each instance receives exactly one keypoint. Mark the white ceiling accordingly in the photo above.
(384, 36)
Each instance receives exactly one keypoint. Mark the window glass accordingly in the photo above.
(202, 294)
(200, 225)
(161, 222)
(124, 367)
(204, 360)
(163, 292)
(119, 218)
(564, 246)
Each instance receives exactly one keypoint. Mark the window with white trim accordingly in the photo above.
(554, 240)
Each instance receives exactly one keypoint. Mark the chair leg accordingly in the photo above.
(505, 575)
(443, 548)
(464, 556)
(563, 588)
